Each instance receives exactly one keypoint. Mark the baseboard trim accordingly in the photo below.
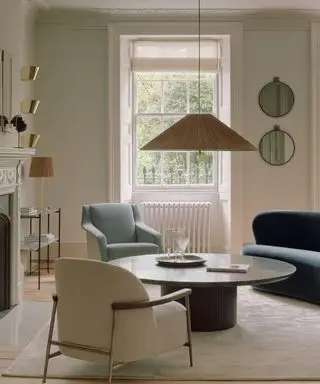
(76, 250)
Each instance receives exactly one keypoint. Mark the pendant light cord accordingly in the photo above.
(199, 54)
(199, 65)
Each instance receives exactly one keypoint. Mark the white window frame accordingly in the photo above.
(213, 187)
(232, 32)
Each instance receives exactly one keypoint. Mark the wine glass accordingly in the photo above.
(182, 242)
(178, 241)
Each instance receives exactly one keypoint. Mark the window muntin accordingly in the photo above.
(165, 89)
(161, 99)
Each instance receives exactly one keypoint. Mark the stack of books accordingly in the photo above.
(27, 211)
(31, 242)
(34, 238)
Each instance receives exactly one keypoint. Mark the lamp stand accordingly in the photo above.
(41, 194)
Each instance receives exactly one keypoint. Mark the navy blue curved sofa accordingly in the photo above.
(294, 237)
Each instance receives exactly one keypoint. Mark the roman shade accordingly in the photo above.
(175, 56)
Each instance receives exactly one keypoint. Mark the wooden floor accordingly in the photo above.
(8, 354)
(47, 287)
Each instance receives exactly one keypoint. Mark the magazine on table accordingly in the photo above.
(238, 268)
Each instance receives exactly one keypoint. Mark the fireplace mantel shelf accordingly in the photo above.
(16, 153)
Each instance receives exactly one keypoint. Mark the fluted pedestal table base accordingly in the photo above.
(212, 308)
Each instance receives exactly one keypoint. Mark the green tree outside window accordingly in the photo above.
(162, 99)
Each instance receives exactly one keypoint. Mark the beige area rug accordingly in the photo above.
(275, 339)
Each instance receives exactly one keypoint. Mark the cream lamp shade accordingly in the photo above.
(41, 167)
(199, 132)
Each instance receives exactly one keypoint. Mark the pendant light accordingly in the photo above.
(201, 131)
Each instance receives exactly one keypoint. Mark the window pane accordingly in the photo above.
(143, 76)
(175, 96)
(161, 100)
(148, 96)
(174, 76)
(170, 120)
(148, 168)
(206, 95)
(203, 75)
(201, 168)
(175, 168)
(147, 128)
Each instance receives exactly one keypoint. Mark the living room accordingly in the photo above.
(84, 50)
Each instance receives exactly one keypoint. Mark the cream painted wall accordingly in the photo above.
(72, 119)
(285, 54)
(10, 40)
(27, 91)
(17, 38)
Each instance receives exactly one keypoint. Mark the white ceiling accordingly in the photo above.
(105, 5)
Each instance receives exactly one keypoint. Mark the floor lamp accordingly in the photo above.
(41, 167)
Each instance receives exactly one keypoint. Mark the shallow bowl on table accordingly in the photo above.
(185, 261)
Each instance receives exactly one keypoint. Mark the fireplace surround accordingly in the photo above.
(11, 161)
(5, 258)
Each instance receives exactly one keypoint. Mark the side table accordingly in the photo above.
(40, 240)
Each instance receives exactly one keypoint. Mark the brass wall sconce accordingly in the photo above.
(29, 140)
(29, 106)
(29, 72)
(7, 119)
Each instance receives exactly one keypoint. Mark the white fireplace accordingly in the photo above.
(11, 160)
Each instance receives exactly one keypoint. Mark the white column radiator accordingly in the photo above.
(193, 216)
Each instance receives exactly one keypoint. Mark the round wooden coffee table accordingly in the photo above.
(213, 300)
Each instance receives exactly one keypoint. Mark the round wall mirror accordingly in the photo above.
(277, 147)
(276, 99)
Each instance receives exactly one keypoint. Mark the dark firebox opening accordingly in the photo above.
(5, 226)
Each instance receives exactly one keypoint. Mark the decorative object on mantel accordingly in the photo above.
(197, 132)
(276, 99)
(277, 147)
(20, 126)
(41, 167)
(28, 73)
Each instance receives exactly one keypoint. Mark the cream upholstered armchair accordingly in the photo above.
(104, 314)
(115, 230)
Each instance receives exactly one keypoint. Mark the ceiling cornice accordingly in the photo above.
(30, 9)
(292, 19)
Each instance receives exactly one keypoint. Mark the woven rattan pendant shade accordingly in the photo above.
(197, 132)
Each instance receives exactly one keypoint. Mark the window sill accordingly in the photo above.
(173, 189)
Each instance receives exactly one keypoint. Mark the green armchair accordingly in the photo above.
(115, 230)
